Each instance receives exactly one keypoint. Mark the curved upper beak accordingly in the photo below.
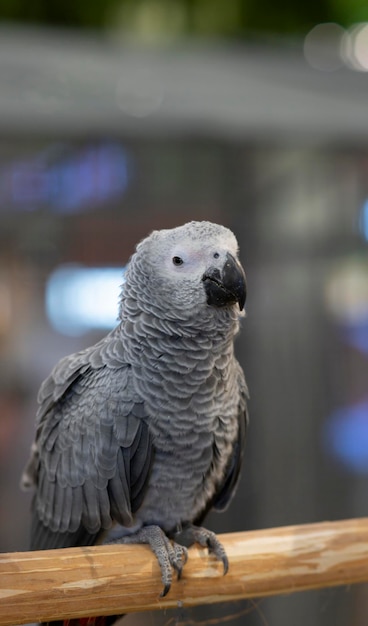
(226, 286)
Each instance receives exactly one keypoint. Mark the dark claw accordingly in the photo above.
(225, 562)
(216, 548)
(165, 590)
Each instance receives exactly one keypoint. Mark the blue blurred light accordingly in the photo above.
(363, 220)
(71, 183)
(345, 436)
(356, 336)
(79, 299)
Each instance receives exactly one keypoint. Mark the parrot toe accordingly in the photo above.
(169, 555)
(197, 534)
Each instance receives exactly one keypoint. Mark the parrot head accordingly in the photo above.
(194, 265)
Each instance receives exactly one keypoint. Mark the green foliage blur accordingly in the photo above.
(172, 18)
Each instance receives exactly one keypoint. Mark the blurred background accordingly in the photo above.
(120, 116)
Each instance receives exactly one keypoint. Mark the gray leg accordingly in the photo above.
(169, 555)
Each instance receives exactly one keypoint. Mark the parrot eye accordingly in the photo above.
(177, 260)
(216, 255)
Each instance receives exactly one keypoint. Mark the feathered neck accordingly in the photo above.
(137, 302)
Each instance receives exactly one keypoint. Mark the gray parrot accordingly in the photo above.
(145, 430)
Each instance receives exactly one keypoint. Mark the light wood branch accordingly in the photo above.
(107, 580)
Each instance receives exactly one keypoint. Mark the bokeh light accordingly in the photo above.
(80, 299)
(354, 47)
(65, 181)
(345, 437)
(347, 291)
(329, 47)
(322, 46)
(346, 295)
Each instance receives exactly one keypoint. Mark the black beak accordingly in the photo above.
(227, 286)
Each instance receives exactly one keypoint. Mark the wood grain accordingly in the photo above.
(106, 580)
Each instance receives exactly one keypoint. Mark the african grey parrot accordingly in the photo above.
(146, 428)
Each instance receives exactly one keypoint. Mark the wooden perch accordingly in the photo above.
(106, 580)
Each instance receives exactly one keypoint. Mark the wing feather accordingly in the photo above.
(227, 487)
(119, 494)
(232, 474)
(93, 450)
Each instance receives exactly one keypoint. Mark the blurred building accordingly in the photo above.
(101, 143)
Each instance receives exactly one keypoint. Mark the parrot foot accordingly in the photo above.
(197, 534)
(170, 555)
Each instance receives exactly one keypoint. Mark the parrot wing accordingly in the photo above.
(232, 474)
(93, 450)
(227, 488)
